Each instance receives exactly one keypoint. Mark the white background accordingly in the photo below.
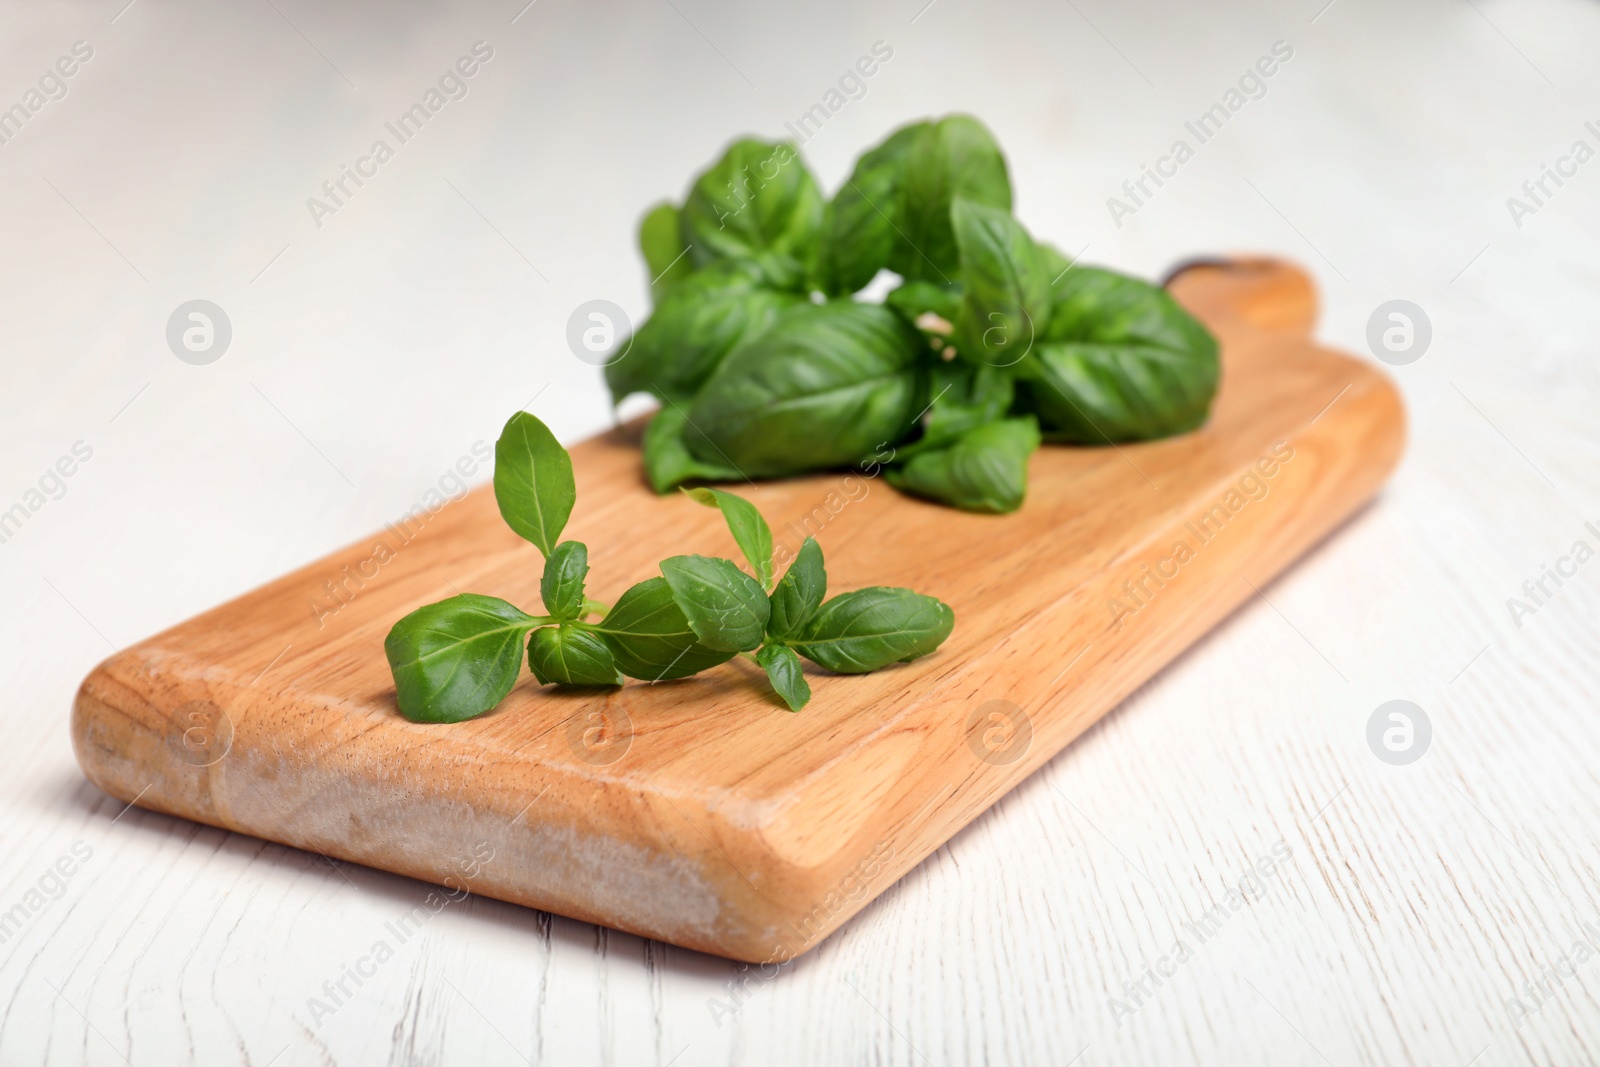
(370, 353)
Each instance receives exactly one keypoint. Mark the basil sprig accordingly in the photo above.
(992, 343)
(458, 658)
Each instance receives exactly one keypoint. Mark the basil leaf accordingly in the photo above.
(667, 460)
(953, 159)
(799, 592)
(1093, 394)
(758, 197)
(779, 271)
(562, 584)
(694, 326)
(861, 225)
(650, 637)
(916, 299)
(823, 387)
(1120, 361)
(533, 481)
(1097, 305)
(873, 627)
(750, 531)
(894, 209)
(786, 675)
(985, 469)
(456, 659)
(1055, 262)
(1006, 304)
(570, 656)
(725, 607)
(661, 241)
(964, 397)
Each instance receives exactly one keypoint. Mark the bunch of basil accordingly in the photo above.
(765, 364)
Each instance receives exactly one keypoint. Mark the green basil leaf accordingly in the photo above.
(661, 241)
(668, 462)
(750, 531)
(758, 197)
(562, 584)
(693, 328)
(894, 209)
(985, 469)
(1120, 361)
(1094, 394)
(567, 655)
(1006, 304)
(778, 271)
(953, 159)
(1101, 306)
(873, 627)
(533, 481)
(456, 659)
(823, 387)
(964, 396)
(725, 607)
(786, 675)
(799, 592)
(1055, 262)
(861, 226)
(916, 299)
(650, 637)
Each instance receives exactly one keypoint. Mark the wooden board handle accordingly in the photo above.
(1263, 293)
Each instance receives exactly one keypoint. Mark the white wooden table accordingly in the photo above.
(1429, 913)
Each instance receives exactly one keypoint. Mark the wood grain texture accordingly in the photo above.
(698, 812)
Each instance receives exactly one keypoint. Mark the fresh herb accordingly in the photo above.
(786, 675)
(749, 529)
(661, 241)
(758, 201)
(984, 469)
(568, 655)
(695, 325)
(650, 636)
(533, 481)
(726, 608)
(1119, 361)
(799, 592)
(457, 659)
(1005, 300)
(562, 585)
(821, 388)
(871, 628)
(992, 342)
(667, 460)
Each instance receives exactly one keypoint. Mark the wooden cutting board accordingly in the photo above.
(700, 812)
